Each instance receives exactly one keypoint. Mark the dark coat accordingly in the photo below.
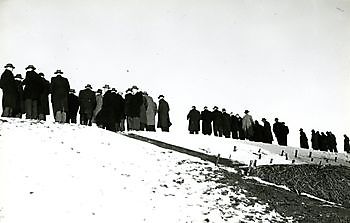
(226, 124)
(194, 118)
(33, 86)
(314, 140)
(128, 99)
(136, 101)
(59, 95)
(107, 117)
(143, 109)
(87, 101)
(258, 132)
(119, 104)
(277, 129)
(267, 134)
(206, 117)
(303, 140)
(284, 134)
(9, 89)
(163, 115)
(346, 144)
(73, 105)
(19, 108)
(43, 105)
(217, 119)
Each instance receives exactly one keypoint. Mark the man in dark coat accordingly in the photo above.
(206, 117)
(59, 97)
(284, 134)
(32, 91)
(217, 122)
(277, 129)
(240, 131)
(194, 118)
(43, 105)
(267, 134)
(235, 126)
(122, 113)
(106, 118)
(323, 142)
(226, 124)
(135, 108)
(9, 91)
(333, 142)
(87, 103)
(346, 144)
(118, 103)
(19, 108)
(314, 140)
(163, 114)
(303, 140)
(73, 107)
(258, 133)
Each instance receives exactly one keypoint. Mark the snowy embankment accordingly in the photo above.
(246, 152)
(70, 173)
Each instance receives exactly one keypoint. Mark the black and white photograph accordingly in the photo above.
(175, 111)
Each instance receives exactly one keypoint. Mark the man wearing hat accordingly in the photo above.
(194, 118)
(135, 103)
(267, 134)
(163, 114)
(151, 111)
(247, 125)
(9, 91)
(43, 106)
(59, 96)
(87, 102)
(73, 107)
(19, 108)
(32, 91)
(303, 139)
(217, 122)
(206, 118)
(277, 130)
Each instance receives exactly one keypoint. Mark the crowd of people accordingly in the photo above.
(110, 109)
(106, 107)
(228, 125)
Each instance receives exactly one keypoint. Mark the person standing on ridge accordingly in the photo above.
(194, 118)
(163, 114)
(247, 125)
(303, 139)
(59, 96)
(206, 117)
(9, 91)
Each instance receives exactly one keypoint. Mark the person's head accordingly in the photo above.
(134, 89)
(215, 108)
(88, 86)
(72, 91)
(276, 119)
(246, 111)
(223, 110)
(263, 119)
(205, 108)
(30, 68)
(128, 91)
(114, 90)
(193, 107)
(9, 66)
(99, 91)
(41, 75)
(161, 97)
(18, 77)
(237, 115)
(301, 130)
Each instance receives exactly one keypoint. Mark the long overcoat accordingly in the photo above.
(33, 86)
(303, 140)
(194, 117)
(9, 89)
(206, 117)
(87, 101)
(44, 107)
(151, 111)
(267, 134)
(163, 114)
(247, 126)
(59, 96)
(143, 109)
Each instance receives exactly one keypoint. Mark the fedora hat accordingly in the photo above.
(58, 72)
(106, 86)
(19, 76)
(99, 91)
(9, 65)
(30, 67)
(246, 111)
(88, 86)
(71, 91)
(41, 74)
(160, 96)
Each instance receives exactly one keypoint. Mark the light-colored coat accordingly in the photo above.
(151, 111)
(247, 125)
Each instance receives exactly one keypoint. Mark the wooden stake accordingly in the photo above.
(254, 164)
(310, 154)
(293, 161)
(282, 153)
(286, 156)
(260, 156)
(271, 160)
(234, 148)
(296, 154)
(217, 159)
(335, 159)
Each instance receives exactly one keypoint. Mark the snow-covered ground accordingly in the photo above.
(247, 151)
(70, 173)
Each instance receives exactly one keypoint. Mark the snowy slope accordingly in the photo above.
(247, 151)
(70, 173)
